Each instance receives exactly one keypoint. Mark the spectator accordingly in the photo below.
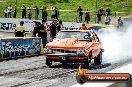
(20, 30)
(98, 17)
(36, 13)
(52, 12)
(56, 13)
(23, 11)
(107, 20)
(29, 12)
(43, 32)
(101, 11)
(15, 12)
(9, 11)
(36, 28)
(87, 16)
(120, 22)
(44, 13)
(107, 11)
(5, 12)
(80, 13)
(83, 27)
(53, 29)
(59, 25)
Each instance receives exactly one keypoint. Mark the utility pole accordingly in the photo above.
(96, 8)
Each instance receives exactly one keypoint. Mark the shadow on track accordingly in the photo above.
(75, 66)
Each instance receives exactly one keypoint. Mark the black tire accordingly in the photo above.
(48, 62)
(98, 60)
(88, 60)
(81, 79)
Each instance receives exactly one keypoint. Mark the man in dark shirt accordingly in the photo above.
(23, 11)
(80, 13)
(53, 29)
(107, 11)
(101, 11)
(43, 32)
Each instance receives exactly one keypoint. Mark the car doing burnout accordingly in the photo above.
(74, 46)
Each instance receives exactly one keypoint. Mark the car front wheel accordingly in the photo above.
(98, 60)
(48, 62)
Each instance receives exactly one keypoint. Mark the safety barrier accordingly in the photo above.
(124, 69)
(13, 47)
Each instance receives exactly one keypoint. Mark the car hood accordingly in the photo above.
(68, 43)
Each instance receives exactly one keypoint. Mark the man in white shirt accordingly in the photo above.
(9, 11)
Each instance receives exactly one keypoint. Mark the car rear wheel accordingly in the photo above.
(48, 62)
(98, 60)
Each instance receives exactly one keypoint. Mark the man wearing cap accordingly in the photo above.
(20, 30)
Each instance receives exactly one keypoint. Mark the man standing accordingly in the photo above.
(80, 13)
(56, 13)
(15, 12)
(107, 11)
(53, 29)
(87, 16)
(52, 12)
(44, 13)
(36, 13)
(20, 30)
(9, 11)
(29, 13)
(43, 32)
(23, 11)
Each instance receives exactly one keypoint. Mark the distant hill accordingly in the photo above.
(114, 5)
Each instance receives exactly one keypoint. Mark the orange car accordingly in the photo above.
(74, 46)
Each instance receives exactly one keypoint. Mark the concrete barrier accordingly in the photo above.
(124, 69)
(12, 47)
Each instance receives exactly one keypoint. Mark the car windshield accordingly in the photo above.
(74, 34)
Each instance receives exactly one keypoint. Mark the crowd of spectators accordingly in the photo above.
(27, 12)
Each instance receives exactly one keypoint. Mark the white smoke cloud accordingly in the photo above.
(117, 44)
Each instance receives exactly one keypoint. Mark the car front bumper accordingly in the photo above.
(65, 57)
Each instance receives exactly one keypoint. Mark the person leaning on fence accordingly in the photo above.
(6, 12)
(87, 16)
(83, 27)
(9, 11)
(23, 11)
(20, 30)
(44, 13)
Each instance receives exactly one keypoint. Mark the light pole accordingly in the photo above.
(96, 8)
